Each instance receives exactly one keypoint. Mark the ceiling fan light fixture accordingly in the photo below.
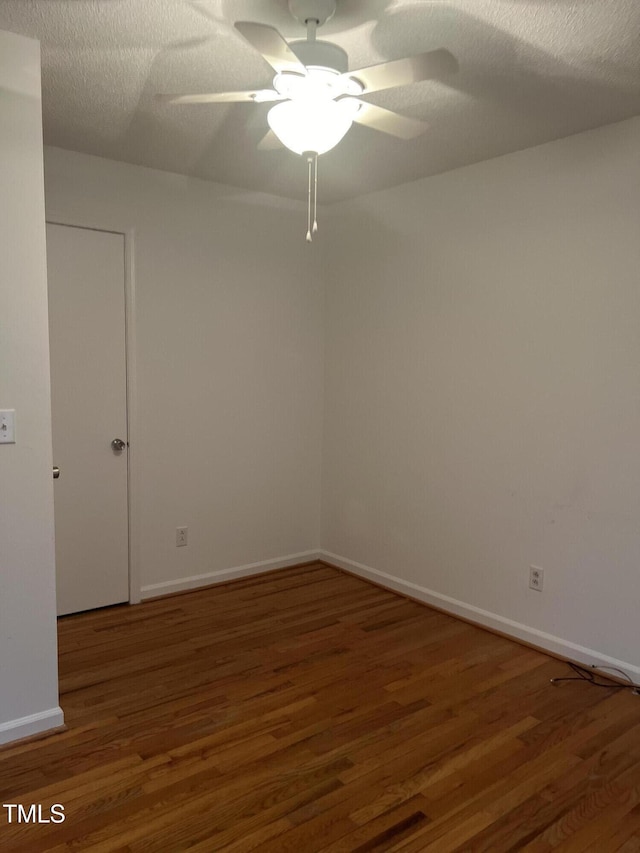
(319, 98)
(315, 125)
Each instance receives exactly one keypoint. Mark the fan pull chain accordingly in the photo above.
(312, 194)
(309, 237)
(315, 195)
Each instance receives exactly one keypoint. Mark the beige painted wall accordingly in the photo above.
(228, 350)
(483, 390)
(28, 643)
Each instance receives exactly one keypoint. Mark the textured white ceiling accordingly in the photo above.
(530, 71)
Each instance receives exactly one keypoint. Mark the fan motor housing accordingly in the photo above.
(322, 54)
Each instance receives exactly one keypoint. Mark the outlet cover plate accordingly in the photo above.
(7, 426)
(536, 578)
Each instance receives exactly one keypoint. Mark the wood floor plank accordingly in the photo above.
(308, 710)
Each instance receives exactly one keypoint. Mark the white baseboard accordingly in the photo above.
(33, 724)
(484, 618)
(224, 575)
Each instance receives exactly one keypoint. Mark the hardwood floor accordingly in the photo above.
(307, 710)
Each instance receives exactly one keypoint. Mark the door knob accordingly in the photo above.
(118, 444)
(56, 472)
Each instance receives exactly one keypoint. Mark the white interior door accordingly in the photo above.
(89, 411)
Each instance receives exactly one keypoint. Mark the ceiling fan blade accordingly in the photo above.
(388, 122)
(269, 42)
(254, 96)
(401, 72)
(269, 142)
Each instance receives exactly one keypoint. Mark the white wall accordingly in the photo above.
(28, 643)
(482, 405)
(228, 356)
(483, 391)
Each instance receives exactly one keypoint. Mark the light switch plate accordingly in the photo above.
(7, 426)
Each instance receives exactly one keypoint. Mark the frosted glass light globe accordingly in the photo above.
(315, 125)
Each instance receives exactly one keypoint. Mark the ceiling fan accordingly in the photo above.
(317, 96)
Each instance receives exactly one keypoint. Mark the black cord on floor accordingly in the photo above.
(588, 675)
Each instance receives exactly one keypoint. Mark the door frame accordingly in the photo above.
(55, 218)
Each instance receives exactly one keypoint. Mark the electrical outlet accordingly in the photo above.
(536, 578)
(181, 536)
